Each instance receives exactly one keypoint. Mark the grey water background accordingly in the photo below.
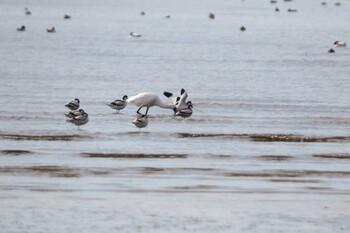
(266, 149)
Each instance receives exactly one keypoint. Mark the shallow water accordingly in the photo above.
(267, 148)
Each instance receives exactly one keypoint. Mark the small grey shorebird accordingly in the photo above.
(133, 34)
(80, 119)
(141, 121)
(74, 113)
(339, 44)
(22, 28)
(119, 104)
(51, 29)
(185, 113)
(73, 105)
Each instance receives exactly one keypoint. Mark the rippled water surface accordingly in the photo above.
(267, 148)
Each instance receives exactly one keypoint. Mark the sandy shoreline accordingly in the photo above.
(185, 212)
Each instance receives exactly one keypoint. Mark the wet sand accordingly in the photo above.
(176, 212)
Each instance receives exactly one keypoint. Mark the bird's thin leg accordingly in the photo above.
(146, 111)
(138, 111)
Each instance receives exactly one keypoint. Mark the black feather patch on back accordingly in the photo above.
(168, 94)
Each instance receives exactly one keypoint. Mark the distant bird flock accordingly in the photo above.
(210, 16)
(178, 104)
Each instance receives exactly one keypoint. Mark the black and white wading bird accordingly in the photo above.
(73, 105)
(185, 113)
(51, 29)
(133, 34)
(80, 119)
(74, 113)
(339, 44)
(119, 104)
(27, 11)
(22, 28)
(141, 121)
(179, 101)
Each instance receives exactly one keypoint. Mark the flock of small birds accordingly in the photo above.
(336, 44)
(50, 30)
(76, 116)
(295, 10)
(179, 104)
(131, 34)
(210, 16)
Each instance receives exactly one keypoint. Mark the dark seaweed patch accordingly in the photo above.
(317, 188)
(151, 170)
(196, 187)
(332, 156)
(206, 135)
(266, 137)
(15, 152)
(54, 171)
(275, 157)
(23, 137)
(133, 156)
(294, 181)
(289, 173)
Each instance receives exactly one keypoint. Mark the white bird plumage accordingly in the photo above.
(51, 29)
(119, 104)
(339, 44)
(133, 34)
(73, 105)
(148, 100)
(179, 101)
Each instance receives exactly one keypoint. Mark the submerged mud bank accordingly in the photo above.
(275, 157)
(133, 156)
(289, 173)
(58, 137)
(266, 137)
(332, 156)
(16, 152)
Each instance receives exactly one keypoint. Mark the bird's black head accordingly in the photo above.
(125, 97)
(77, 100)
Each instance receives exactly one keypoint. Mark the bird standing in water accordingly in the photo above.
(80, 119)
(119, 104)
(148, 100)
(141, 122)
(73, 105)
